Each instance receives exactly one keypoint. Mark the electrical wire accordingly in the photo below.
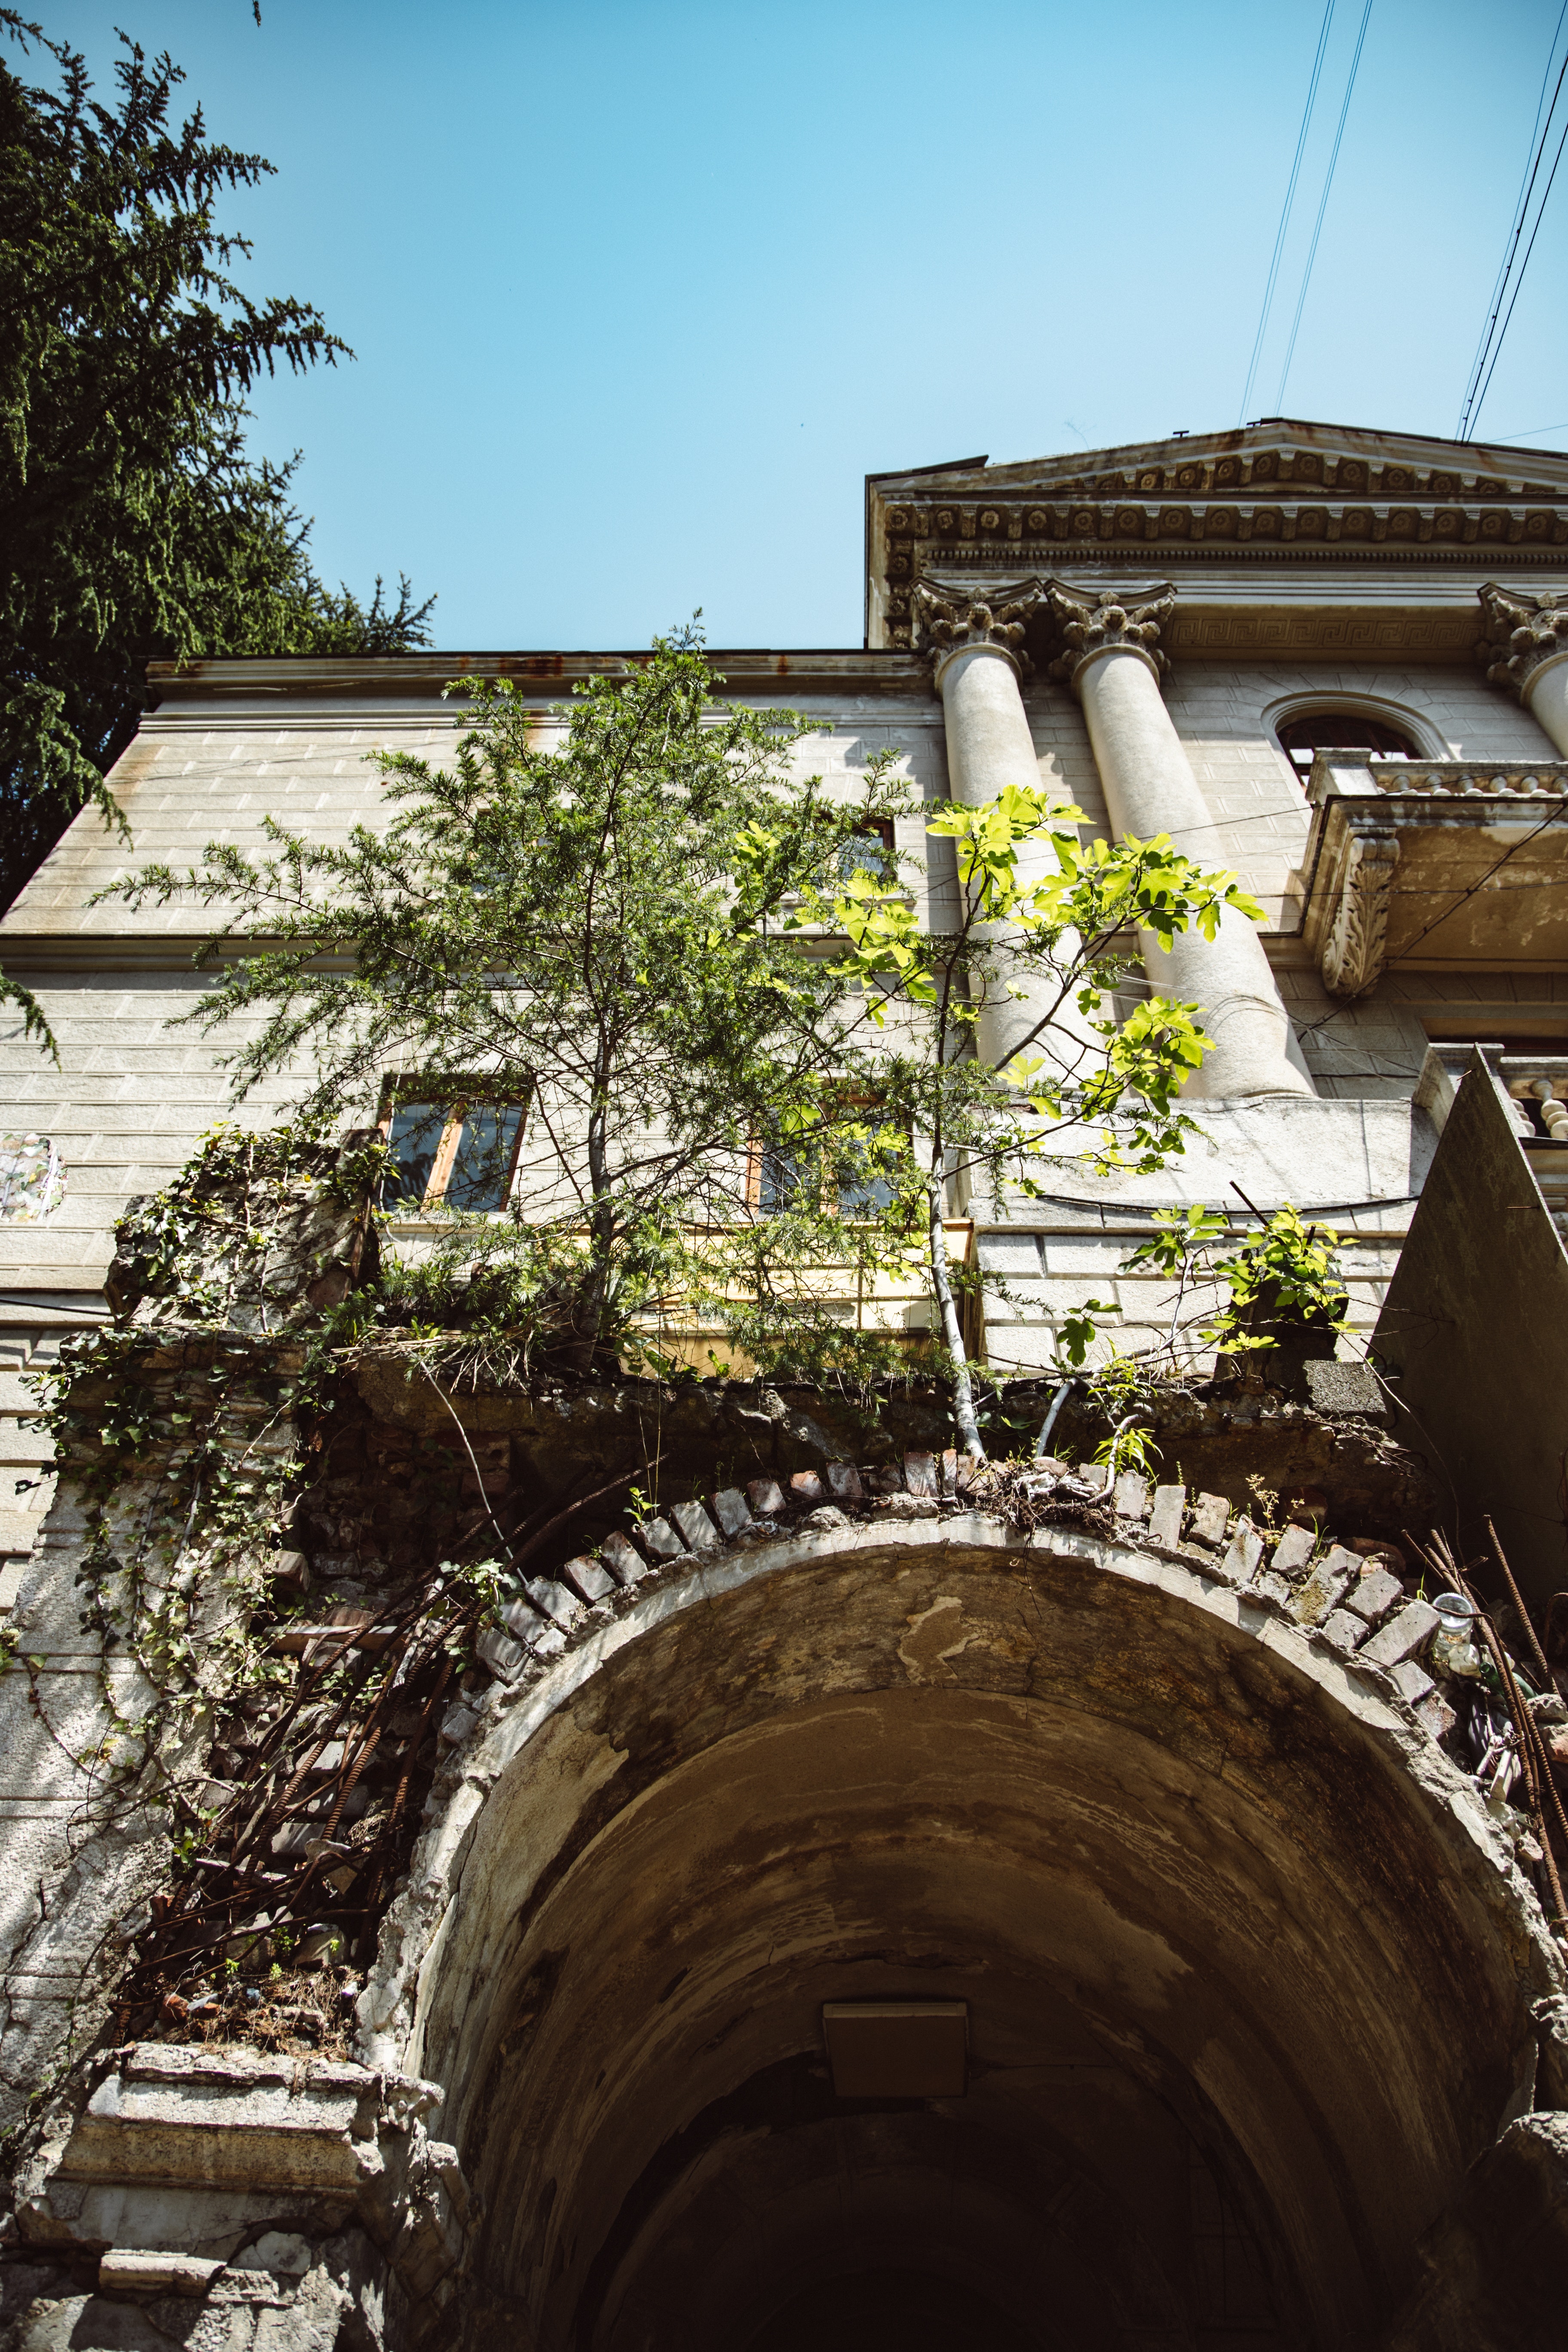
(1463, 895)
(1322, 209)
(1524, 265)
(1539, 134)
(1289, 200)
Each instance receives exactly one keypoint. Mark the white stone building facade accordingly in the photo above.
(1273, 577)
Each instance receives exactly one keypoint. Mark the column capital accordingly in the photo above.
(1527, 632)
(947, 621)
(1109, 620)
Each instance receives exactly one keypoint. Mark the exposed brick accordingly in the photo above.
(1294, 1551)
(1410, 1681)
(1325, 1588)
(1131, 1496)
(1243, 1554)
(1401, 1635)
(555, 1601)
(1373, 1594)
(729, 1508)
(1165, 1518)
(695, 1525)
(1211, 1515)
(623, 1559)
(586, 1577)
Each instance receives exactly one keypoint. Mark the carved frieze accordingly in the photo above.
(1525, 631)
(1357, 945)
(1386, 528)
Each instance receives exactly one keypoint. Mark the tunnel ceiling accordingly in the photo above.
(1248, 1988)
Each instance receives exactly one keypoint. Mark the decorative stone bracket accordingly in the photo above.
(1357, 948)
(1399, 847)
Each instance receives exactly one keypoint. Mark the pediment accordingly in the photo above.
(1282, 494)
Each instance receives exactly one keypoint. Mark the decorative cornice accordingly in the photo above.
(1110, 621)
(946, 624)
(1277, 504)
(1357, 945)
(1527, 631)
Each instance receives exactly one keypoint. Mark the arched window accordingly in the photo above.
(1303, 738)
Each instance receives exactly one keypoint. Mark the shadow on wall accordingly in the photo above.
(1474, 1331)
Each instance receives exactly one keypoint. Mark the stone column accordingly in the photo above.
(979, 668)
(1526, 654)
(1114, 666)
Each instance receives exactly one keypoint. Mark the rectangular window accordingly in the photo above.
(456, 1156)
(861, 1168)
(870, 849)
(782, 1178)
(866, 1165)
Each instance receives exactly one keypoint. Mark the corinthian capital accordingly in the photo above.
(1108, 621)
(1526, 632)
(946, 620)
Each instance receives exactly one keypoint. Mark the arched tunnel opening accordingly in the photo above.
(1242, 1995)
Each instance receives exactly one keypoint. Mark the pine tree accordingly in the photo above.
(135, 523)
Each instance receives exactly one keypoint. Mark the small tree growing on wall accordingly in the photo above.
(747, 1071)
(1086, 1079)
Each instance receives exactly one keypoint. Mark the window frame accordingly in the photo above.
(456, 1101)
(829, 1187)
(873, 828)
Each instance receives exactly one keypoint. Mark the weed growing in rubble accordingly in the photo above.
(1285, 1276)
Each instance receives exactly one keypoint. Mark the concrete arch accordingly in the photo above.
(1236, 1938)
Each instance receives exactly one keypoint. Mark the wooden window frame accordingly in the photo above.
(758, 1151)
(457, 1102)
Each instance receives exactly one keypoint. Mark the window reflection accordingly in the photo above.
(866, 1170)
(481, 1165)
(417, 1129)
(459, 1156)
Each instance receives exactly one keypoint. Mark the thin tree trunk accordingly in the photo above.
(947, 1309)
(601, 1242)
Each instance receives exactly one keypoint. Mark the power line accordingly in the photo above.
(1322, 209)
(1524, 265)
(1289, 200)
(1538, 134)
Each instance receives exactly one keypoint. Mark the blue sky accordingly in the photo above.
(640, 292)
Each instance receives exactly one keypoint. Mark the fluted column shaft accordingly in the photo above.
(1150, 788)
(1546, 698)
(979, 675)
